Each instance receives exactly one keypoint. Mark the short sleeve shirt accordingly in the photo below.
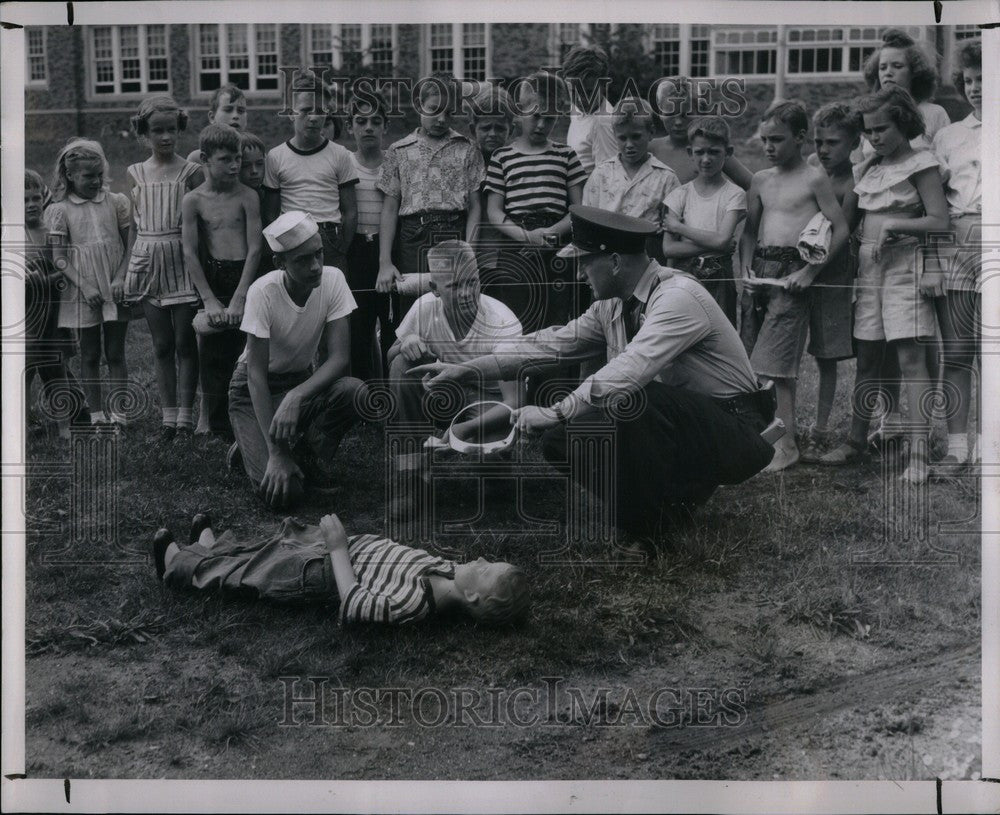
(294, 331)
(959, 149)
(641, 196)
(706, 212)
(428, 175)
(534, 182)
(592, 136)
(494, 327)
(310, 180)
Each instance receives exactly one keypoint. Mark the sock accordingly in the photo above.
(97, 416)
(170, 416)
(185, 417)
(958, 446)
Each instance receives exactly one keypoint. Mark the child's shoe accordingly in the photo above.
(199, 523)
(167, 433)
(234, 458)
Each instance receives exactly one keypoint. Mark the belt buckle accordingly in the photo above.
(370, 237)
(699, 263)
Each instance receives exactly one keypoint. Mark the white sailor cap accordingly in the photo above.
(290, 230)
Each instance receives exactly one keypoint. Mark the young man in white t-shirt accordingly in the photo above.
(283, 412)
(310, 174)
(452, 323)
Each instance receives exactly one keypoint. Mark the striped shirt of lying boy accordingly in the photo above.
(376, 579)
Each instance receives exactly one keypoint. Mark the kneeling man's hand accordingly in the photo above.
(533, 420)
(286, 418)
(277, 484)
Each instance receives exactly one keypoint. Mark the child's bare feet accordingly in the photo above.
(785, 456)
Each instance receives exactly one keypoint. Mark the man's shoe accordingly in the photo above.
(161, 540)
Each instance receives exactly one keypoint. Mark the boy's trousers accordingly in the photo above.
(323, 421)
(220, 352)
(293, 564)
(362, 274)
(674, 447)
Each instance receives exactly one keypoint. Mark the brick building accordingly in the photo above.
(88, 79)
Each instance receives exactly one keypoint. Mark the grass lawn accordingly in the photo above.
(763, 595)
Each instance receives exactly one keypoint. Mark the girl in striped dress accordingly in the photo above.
(156, 274)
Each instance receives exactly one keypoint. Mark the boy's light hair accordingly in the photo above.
(838, 114)
(216, 137)
(899, 105)
(234, 93)
(631, 108)
(671, 87)
(508, 603)
(713, 128)
(157, 104)
(372, 103)
(791, 114)
(33, 181)
(491, 100)
(454, 258)
(251, 141)
(921, 60)
(968, 55)
(75, 153)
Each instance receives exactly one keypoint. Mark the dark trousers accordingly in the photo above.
(220, 352)
(416, 234)
(333, 245)
(715, 273)
(362, 265)
(61, 394)
(675, 447)
(323, 421)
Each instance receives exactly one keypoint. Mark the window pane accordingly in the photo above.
(381, 48)
(350, 37)
(473, 34)
(267, 38)
(440, 35)
(236, 39)
(208, 40)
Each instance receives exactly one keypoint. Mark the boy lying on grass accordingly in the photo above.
(376, 579)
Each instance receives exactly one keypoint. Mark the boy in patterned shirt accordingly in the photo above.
(375, 579)
(430, 180)
(634, 182)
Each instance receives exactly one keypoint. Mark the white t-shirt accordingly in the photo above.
(705, 212)
(495, 325)
(310, 180)
(294, 331)
(592, 136)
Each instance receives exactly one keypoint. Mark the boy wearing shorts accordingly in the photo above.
(831, 297)
(781, 202)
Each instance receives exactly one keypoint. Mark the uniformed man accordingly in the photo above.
(676, 385)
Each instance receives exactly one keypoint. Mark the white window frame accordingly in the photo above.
(336, 38)
(116, 59)
(458, 50)
(679, 36)
(43, 82)
(965, 32)
(223, 55)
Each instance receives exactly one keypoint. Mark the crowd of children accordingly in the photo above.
(890, 171)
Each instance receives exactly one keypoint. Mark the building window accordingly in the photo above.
(815, 50)
(965, 32)
(36, 70)
(460, 49)
(241, 53)
(568, 36)
(746, 51)
(350, 47)
(381, 48)
(666, 41)
(701, 48)
(129, 59)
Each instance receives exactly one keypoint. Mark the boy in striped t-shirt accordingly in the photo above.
(376, 579)
(366, 121)
(530, 184)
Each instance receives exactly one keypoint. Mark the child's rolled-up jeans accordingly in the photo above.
(291, 565)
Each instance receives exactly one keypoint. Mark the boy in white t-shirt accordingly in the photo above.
(310, 174)
(701, 216)
(453, 323)
(283, 412)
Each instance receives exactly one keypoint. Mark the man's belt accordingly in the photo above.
(761, 402)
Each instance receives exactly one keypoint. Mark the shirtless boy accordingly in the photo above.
(221, 230)
(780, 202)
